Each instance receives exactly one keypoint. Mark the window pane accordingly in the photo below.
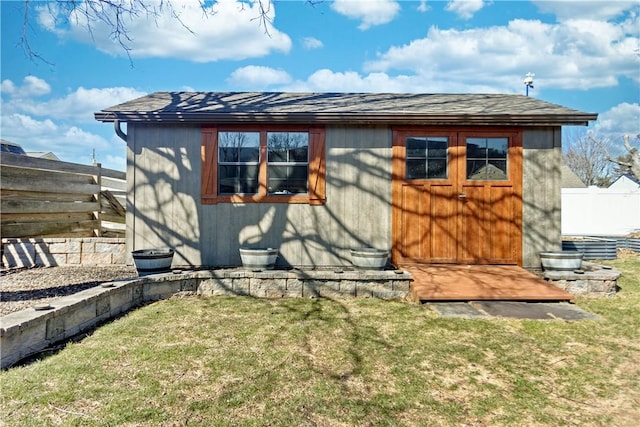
(287, 179)
(437, 169)
(427, 157)
(288, 147)
(487, 159)
(416, 148)
(234, 179)
(497, 147)
(238, 147)
(437, 148)
(416, 169)
(476, 147)
(497, 170)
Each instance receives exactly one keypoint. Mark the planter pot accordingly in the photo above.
(564, 260)
(258, 258)
(369, 258)
(151, 261)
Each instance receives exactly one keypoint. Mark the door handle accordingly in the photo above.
(462, 196)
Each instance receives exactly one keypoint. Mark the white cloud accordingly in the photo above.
(21, 125)
(423, 6)
(326, 80)
(585, 9)
(310, 43)
(572, 55)
(7, 86)
(78, 105)
(68, 142)
(255, 77)
(34, 119)
(230, 29)
(369, 12)
(31, 86)
(622, 119)
(465, 9)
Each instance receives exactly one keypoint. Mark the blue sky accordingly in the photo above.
(585, 55)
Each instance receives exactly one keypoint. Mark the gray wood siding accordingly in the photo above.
(163, 175)
(164, 209)
(542, 160)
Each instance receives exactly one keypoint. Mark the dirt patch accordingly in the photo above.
(22, 288)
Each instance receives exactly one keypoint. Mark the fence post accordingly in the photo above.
(98, 196)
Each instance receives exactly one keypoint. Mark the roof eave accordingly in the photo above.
(359, 118)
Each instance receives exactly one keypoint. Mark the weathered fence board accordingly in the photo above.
(36, 206)
(14, 178)
(38, 195)
(47, 198)
(30, 229)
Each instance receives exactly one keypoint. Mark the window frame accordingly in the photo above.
(316, 194)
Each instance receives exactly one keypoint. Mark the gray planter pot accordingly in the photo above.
(258, 258)
(563, 260)
(369, 258)
(152, 261)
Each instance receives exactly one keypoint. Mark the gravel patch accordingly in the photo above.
(22, 288)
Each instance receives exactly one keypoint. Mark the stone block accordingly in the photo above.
(157, 290)
(55, 328)
(119, 256)
(267, 288)
(23, 341)
(137, 293)
(94, 258)
(309, 289)
(215, 287)
(401, 286)
(80, 316)
(377, 289)
(103, 305)
(294, 288)
(328, 288)
(106, 247)
(18, 254)
(88, 246)
(71, 246)
(241, 286)
(121, 299)
(46, 259)
(74, 259)
(347, 288)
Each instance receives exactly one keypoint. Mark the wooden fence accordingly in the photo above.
(49, 198)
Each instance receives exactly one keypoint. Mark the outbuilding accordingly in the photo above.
(435, 178)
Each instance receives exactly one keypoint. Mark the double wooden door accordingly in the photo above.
(457, 196)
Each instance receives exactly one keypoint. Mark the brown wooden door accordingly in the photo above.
(457, 196)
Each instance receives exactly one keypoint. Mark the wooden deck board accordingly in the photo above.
(440, 282)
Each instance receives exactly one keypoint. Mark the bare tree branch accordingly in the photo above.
(630, 162)
(116, 14)
(587, 156)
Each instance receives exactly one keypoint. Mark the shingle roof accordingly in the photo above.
(569, 179)
(391, 108)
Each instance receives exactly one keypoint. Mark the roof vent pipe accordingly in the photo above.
(116, 126)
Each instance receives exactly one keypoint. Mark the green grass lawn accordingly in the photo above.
(290, 362)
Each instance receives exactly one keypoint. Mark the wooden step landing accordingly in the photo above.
(451, 282)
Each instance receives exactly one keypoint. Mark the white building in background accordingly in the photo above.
(626, 182)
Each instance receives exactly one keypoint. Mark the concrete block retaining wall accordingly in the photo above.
(49, 252)
(25, 333)
(592, 281)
